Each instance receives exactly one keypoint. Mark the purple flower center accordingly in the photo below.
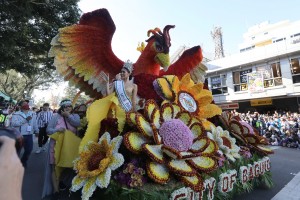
(176, 134)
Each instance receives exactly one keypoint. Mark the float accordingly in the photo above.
(177, 144)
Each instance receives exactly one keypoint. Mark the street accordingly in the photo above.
(285, 165)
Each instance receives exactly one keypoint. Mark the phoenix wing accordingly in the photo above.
(83, 54)
(186, 63)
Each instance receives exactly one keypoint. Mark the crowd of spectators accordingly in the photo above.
(280, 127)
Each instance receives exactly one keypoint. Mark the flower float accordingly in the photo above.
(226, 143)
(172, 137)
(188, 95)
(95, 165)
(245, 133)
(174, 141)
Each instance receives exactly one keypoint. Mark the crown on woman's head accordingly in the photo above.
(128, 65)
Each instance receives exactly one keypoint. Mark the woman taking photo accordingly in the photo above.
(62, 129)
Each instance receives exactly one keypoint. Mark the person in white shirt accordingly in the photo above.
(43, 118)
(25, 122)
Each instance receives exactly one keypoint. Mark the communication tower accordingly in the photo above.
(218, 39)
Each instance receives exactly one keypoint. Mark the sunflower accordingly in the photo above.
(174, 141)
(226, 143)
(190, 96)
(95, 164)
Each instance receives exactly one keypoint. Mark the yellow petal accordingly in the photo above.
(207, 124)
(130, 117)
(181, 167)
(197, 129)
(143, 126)
(185, 117)
(203, 101)
(195, 182)
(203, 93)
(196, 89)
(200, 144)
(186, 82)
(209, 111)
(170, 78)
(176, 86)
(203, 163)
(158, 172)
(166, 112)
(155, 118)
(176, 109)
(150, 106)
(165, 88)
(134, 141)
(157, 138)
(154, 152)
(211, 149)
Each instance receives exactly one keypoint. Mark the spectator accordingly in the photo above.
(35, 109)
(25, 122)
(274, 140)
(43, 119)
(62, 122)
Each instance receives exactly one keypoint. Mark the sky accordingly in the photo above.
(194, 21)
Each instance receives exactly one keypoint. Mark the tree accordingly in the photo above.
(54, 101)
(71, 93)
(26, 30)
(17, 85)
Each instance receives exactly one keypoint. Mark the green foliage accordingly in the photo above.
(266, 180)
(154, 191)
(15, 84)
(70, 93)
(27, 27)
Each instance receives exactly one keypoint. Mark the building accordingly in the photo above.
(265, 75)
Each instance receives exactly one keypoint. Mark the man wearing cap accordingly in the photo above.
(25, 122)
(43, 119)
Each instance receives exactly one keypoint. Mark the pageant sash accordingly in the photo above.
(122, 96)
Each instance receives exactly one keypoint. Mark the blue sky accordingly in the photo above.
(194, 20)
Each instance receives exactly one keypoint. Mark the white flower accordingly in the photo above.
(226, 143)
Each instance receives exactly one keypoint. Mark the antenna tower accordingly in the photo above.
(218, 39)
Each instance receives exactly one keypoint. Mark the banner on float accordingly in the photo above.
(225, 182)
(255, 82)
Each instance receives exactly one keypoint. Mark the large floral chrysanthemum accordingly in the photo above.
(95, 164)
(190, 96)
(226, 143)
(174, 141)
